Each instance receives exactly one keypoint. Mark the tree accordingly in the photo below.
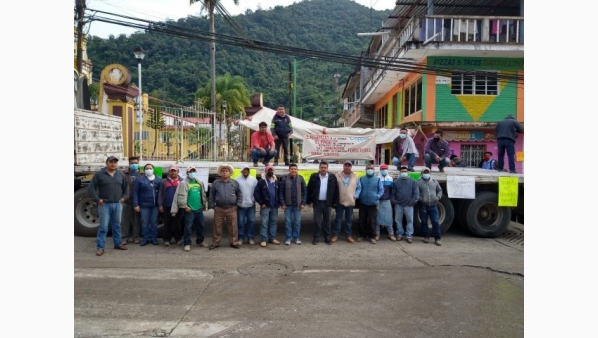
(156, 122)
(209, 6)
(231, 89)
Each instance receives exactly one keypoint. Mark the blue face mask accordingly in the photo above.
(404, 175)
(403, 136)
(134, 166)
(192, 175)
(383, 172)
(426, 176)
(370, 172)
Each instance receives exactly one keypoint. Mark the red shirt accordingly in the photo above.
(261, 141)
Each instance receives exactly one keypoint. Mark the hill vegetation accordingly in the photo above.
(174, 67)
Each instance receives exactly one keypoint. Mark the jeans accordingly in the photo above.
(348, 213)
(149, 223)
(432, 212)
(410, 161)
(268, 229)
(246, 222)
(292, 222)
(109, 213)
(429, 160)
(322, 219)
(256, 155)
(406, 210)
(509, 146)
(284, 141)
(193, 219)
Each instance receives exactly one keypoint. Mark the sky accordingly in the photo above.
(160, 10)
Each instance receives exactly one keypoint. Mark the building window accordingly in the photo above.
(472, 154)
(413, 98)
(381, 117)
(145, 135)
(165, 136)
(463, 83)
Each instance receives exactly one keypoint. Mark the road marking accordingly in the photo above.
(151, 274)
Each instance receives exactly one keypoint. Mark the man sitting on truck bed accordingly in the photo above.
(262, 145)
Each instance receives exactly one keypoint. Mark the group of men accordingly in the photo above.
(183, 201)
(436, 150)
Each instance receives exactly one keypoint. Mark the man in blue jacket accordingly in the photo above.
(281, 129)
(369, 197)
(405, 194)
(266, 195)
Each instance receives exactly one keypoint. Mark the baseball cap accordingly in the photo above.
(111, 158)
(348, 162)
(173, 167)
(269, 167)
(384, 166)
(245, 167)
(190, 167)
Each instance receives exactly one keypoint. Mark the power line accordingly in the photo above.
(383, 63)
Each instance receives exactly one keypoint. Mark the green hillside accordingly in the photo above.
(175, 67)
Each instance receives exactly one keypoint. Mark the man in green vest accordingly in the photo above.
(190, 195)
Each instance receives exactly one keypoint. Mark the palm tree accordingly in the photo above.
(209, 6)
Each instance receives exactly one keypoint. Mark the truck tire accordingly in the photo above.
(446, 214)
(87, 221)
(484, 218)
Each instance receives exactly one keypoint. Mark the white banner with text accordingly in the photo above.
(339, 147)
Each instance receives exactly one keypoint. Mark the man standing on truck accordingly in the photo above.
(225, 195)
(322, 193)
(437, 151)
(131, 220)
(403, 149)
(281, 129)
(349, 187)
(429, 194)
(506, 135)
(262, 145)
(109, 189)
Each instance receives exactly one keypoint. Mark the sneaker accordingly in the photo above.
(399, 238)
(187, 248)
(137, 240)
(166, 243)
(298, 242)
(426, 239)
(350, 240)
(275, 242)
(251, 242)
(392, 238)
(287, 242)
(409, 240)
(377, 237)
(373, 241)
(263, 244)
(437, 242)
(239, 243)
(203, 244)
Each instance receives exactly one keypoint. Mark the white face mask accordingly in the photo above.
(149, 172)
(404, 175)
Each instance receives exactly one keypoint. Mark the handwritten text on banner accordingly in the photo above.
(339, 147)
(508, 189)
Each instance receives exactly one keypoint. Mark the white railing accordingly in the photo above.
(453, 29)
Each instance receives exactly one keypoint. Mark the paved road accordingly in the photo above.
(468, 287)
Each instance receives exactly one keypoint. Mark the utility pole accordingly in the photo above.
(292, 110)
(80, 23)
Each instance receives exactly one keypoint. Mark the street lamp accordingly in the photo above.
(139, 55)
(224, 119)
